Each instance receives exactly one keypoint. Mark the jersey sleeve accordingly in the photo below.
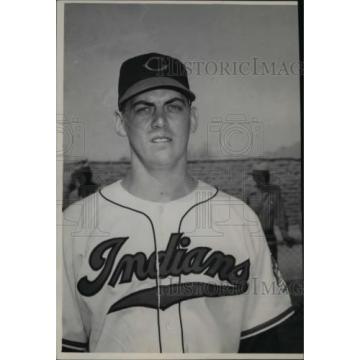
(74, 337)
(268, 301)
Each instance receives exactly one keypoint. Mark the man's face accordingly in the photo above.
(157, 124)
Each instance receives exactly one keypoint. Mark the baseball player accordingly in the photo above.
(80, 185)
(266, 200)
(159, 261)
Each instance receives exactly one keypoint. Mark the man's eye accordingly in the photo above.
(175, 107)
(143, 110)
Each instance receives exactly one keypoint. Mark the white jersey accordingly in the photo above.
(190, 275)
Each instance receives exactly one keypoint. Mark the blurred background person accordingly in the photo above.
(80, 185)
(266, 200)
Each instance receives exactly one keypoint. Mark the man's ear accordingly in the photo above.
(194, 118)
(120, 124)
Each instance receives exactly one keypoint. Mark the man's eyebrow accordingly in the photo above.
(141, 102)
(147, 103)
(175, 99)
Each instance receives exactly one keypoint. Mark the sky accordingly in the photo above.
(245, 108)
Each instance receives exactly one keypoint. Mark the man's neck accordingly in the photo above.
(159, 185)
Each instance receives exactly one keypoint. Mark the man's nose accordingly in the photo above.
(159, 120)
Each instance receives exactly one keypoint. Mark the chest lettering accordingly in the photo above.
(176, 260)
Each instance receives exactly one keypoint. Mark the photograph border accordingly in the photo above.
(59, 177)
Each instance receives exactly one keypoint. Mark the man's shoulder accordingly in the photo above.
(224, 194)
(225, 202)
(232, 216)
(219, 194)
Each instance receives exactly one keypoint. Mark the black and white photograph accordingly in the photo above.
(180, 179)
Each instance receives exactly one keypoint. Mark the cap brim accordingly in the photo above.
(155, 83)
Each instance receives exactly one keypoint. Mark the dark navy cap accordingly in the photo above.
(152, 71)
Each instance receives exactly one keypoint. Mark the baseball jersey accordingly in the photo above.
(190, 275)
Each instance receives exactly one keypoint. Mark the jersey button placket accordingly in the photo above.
(171, 336)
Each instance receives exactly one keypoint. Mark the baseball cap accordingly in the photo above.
(152, 71)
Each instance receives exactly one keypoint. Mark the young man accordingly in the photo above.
(141, 271)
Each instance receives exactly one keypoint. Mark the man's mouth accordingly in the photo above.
(161, 139)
